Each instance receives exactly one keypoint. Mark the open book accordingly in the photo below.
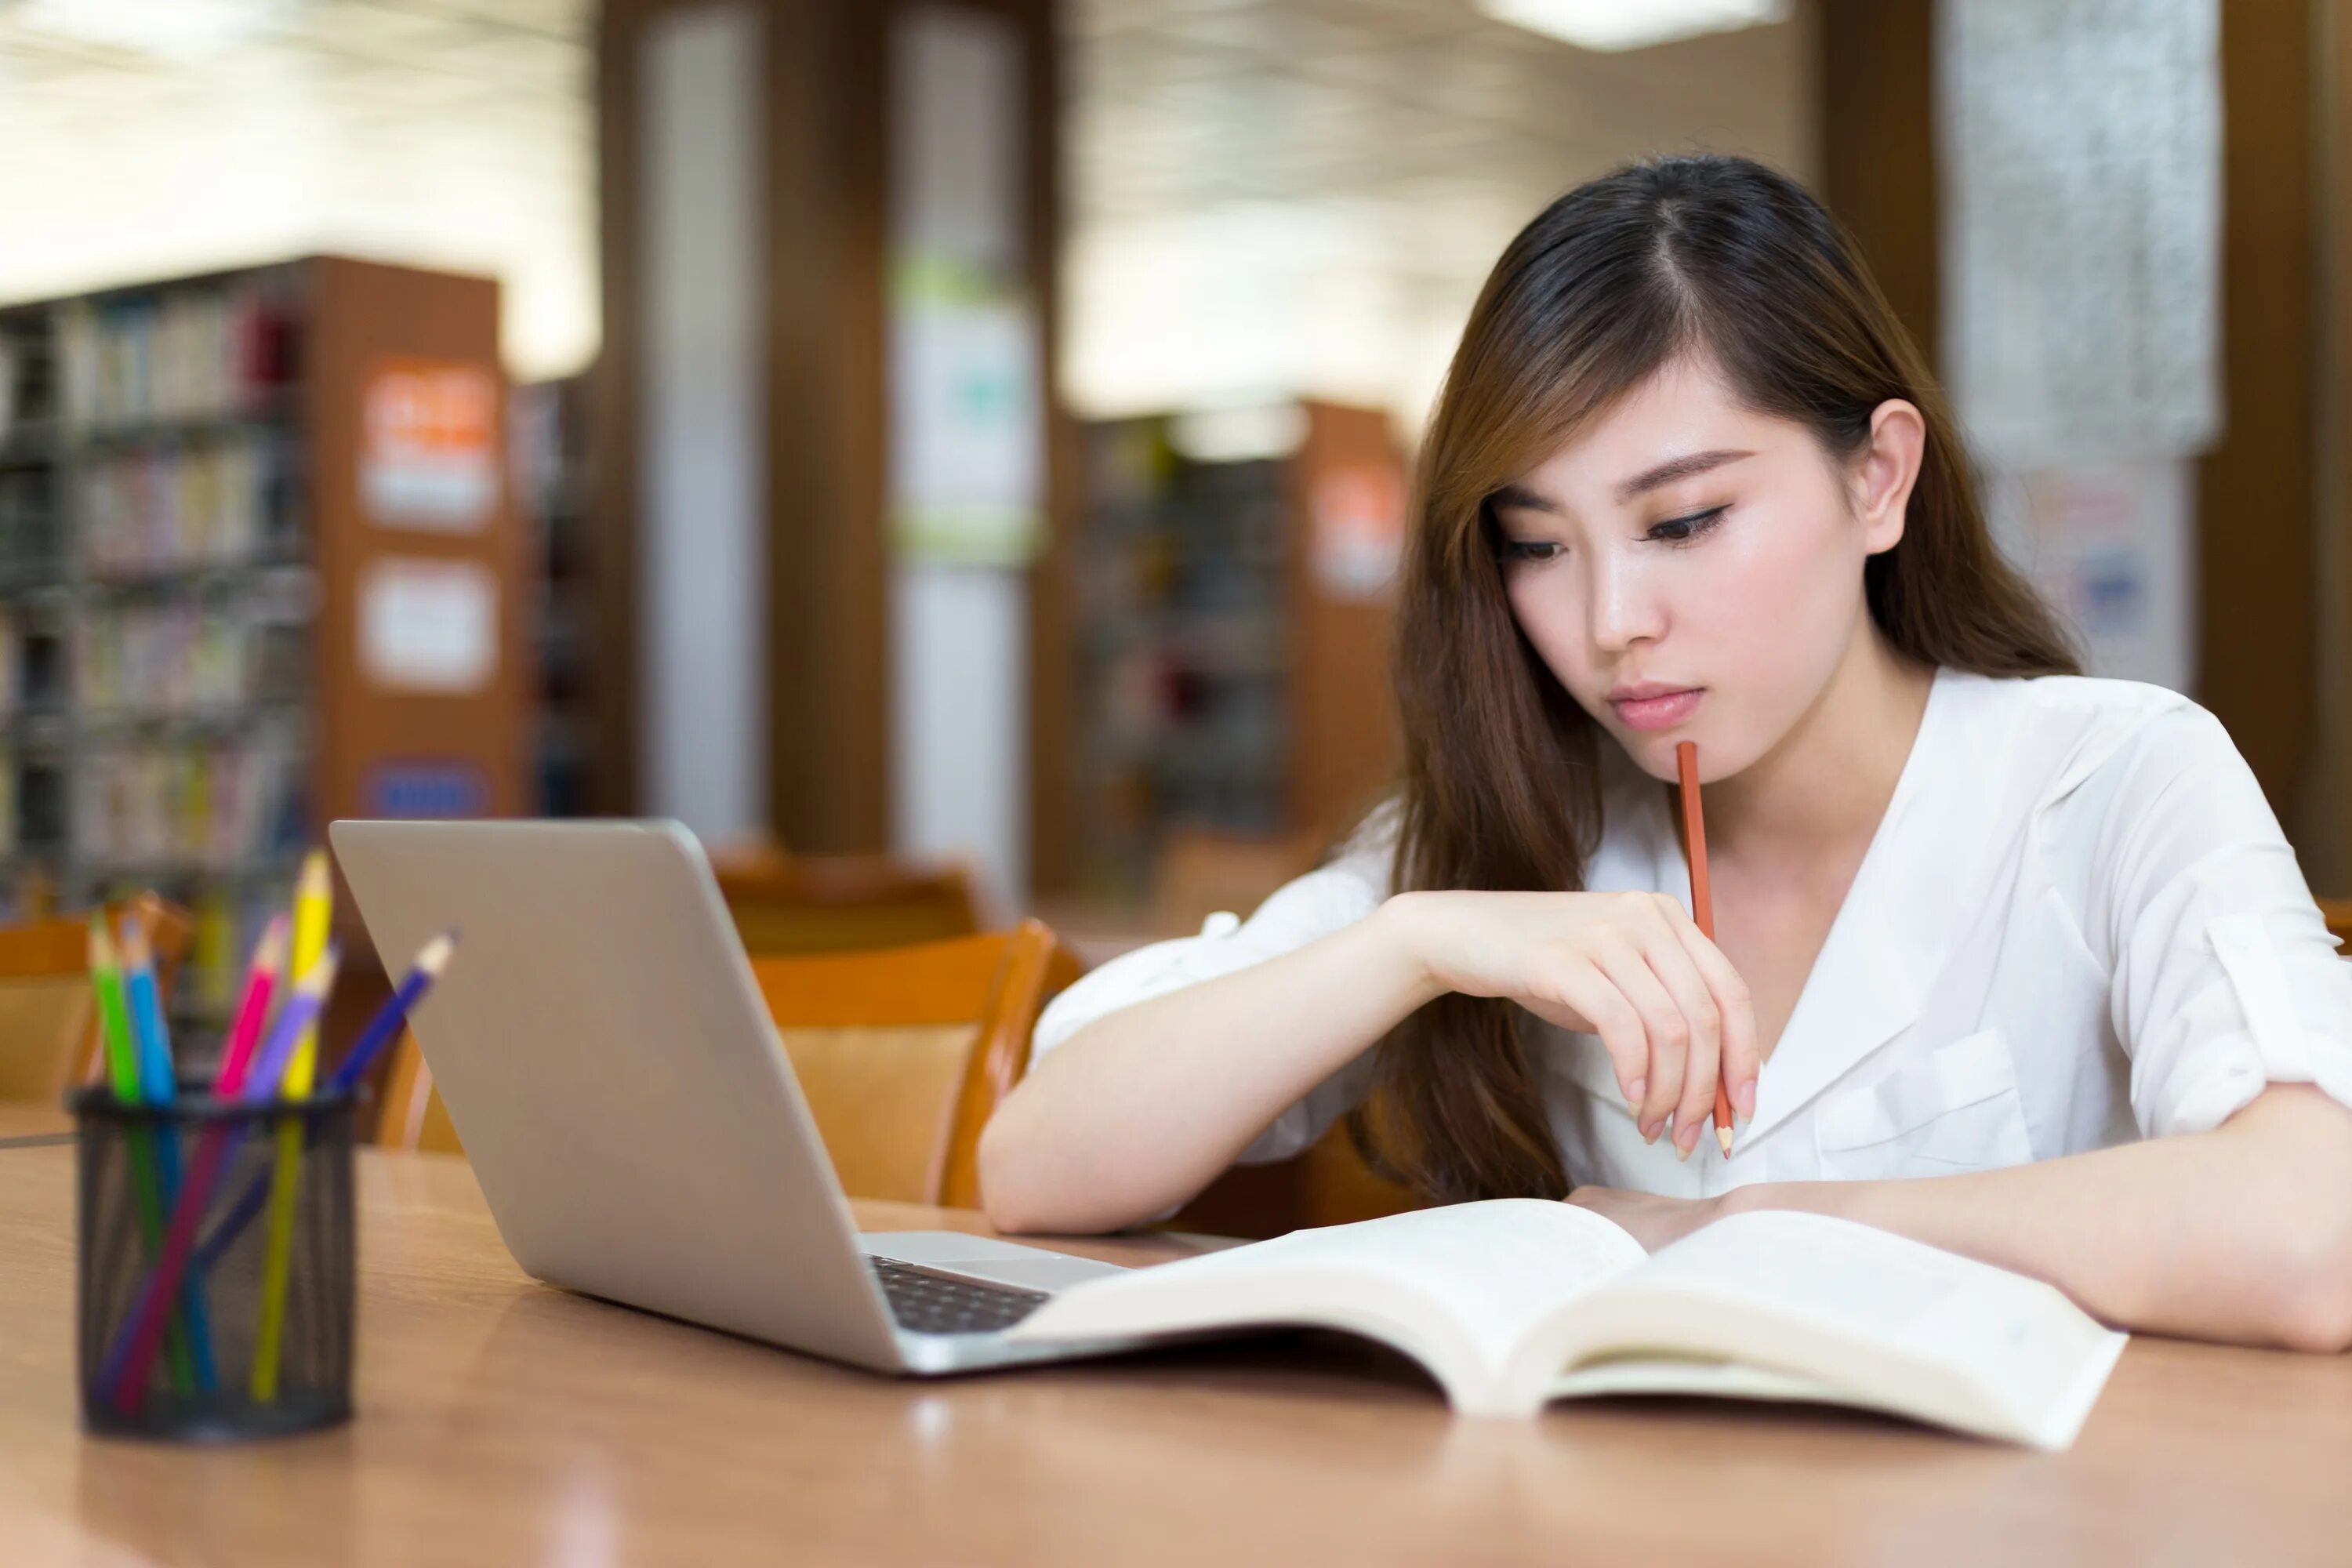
(1516, 1302)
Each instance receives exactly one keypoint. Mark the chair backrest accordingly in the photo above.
(903, 1054)
(1201, 870)
(786, 903)
(48, 1035)
(1328, 1184)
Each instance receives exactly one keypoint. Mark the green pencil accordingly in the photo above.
(123, 1072)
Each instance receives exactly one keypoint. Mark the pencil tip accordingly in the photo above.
(321, 973)
(1723, 1136)
(314, 870)
(435, 954)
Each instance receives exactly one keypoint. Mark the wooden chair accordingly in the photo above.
(829, 903)
(48, 1034)
(903, 1054)
(2338, 912)
(1328, 1184)
(1201, 870)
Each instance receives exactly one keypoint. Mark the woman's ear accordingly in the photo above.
(1889, 468)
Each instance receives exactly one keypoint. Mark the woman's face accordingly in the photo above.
(1691, 570)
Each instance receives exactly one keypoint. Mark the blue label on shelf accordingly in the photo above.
(428, 790)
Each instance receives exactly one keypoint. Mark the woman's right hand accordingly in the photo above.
(1632, 968)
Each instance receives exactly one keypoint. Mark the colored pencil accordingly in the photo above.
(122, 1377)
(313, 911)
(393, 1017)
(253, 1007)
(138, 1147)
(383, 1029)
(314, 907)
(1702, 904)
(273, 1061)
(159, 1084)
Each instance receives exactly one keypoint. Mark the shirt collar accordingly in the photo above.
(1925, 878)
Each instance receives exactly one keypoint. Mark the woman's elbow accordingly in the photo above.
(1007, 1196)
(2303, 1257)
(2313, 1304)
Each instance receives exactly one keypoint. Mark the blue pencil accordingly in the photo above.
(158, 1083)
(381, 1031)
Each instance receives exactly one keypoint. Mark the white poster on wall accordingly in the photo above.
(2081, 168)
(2111, 546)
(428, 626)
(967, 418)
(2080, 156)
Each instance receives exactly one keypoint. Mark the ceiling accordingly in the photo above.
(1266, 196)
(451, 132)
(1281, 196)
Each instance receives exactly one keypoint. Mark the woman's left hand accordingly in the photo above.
(1651, 1220)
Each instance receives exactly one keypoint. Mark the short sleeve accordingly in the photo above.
(1301, 911)
(2225, 977)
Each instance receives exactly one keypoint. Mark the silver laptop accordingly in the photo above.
(606, 1057)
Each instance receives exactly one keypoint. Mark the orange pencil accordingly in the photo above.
(1702, 903)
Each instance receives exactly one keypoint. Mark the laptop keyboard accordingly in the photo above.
(925, 1301)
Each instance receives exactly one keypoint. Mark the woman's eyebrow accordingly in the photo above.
(1523, 501)
(1675, 468)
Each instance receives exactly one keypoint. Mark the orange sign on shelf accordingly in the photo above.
(429, 448)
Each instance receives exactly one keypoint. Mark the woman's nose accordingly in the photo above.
(1625, 607)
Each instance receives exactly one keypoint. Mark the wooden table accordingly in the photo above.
(504, 1422)
(32, 1126)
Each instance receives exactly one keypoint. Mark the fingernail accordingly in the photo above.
(1683, 1149)
(1635, 1090)
(1650, 1133)
(1743, 1100)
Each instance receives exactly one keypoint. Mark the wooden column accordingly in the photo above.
(2324, 820)
(2257, 554)
(1878, 149)
(826, 324)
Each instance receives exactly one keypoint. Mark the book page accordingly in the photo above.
(1890, 1321)
(1453, 1287)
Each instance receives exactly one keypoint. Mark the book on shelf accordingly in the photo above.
(209, 502)
(197, 804)
(1513, 1303)
(192, 351)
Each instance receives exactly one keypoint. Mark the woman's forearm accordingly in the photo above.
(2242, 1234)
(1142, 1107)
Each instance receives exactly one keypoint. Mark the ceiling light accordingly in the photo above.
(1613, 25)
(155, 27)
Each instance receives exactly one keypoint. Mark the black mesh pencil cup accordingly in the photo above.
(214, 1256)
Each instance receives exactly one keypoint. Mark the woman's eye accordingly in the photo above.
(1516, 550)
(1683, 530)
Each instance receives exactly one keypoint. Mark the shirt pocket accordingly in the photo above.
(1956, 1108)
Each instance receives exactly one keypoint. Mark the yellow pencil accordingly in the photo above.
(313, 913)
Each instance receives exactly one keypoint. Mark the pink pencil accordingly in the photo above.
(253, 1009)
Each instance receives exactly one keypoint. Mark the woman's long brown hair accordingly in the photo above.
(1706, 254)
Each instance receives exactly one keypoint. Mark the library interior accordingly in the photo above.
(958, 460)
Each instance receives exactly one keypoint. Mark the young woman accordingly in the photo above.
(2008, 960)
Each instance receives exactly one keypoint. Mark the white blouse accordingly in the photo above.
(2077, 922)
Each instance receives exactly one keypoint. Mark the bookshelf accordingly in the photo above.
(253, 576)
(1232, 622)
(549, 424)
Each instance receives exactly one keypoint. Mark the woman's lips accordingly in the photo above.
(1663, 711)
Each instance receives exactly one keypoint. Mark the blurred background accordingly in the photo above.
(952, 454)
